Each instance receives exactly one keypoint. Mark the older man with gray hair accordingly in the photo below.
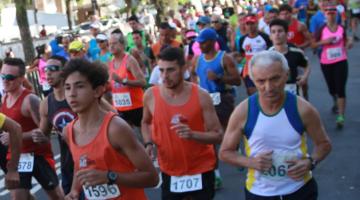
(273, 123)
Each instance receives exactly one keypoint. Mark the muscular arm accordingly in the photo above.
(147, 116)
(135, 69)
(33, 108)
(315, 129)
(15, 135)
(45, 126)
(231, 76)
(193, 75)
(126, 143)
(213, 131)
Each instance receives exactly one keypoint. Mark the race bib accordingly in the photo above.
(216, 98)
(356, 11)
(122, 99)
(291, 87)
(280, 166)
(180, 184)
(103, 191)
(334, 53)
(26, 162)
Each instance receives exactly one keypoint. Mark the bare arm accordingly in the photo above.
(193, 75)
(135, 69)
(15, 136)
(45, 126)
(307, 36)
(33, 108)
(213, 131)
(232, 76)
(146, 122)
(315, 129)
(105, 105)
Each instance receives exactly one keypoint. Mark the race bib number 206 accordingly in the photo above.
(103, 191)
(180, 184)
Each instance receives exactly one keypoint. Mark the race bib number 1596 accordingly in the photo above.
(103, 191)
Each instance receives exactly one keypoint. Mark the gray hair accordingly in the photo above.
(266, 59)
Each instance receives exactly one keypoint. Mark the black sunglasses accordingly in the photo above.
(52, 68)
(100, 41)
(215, 22)
(8, 77)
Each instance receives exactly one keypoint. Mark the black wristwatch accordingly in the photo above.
(112, 177)
(313, 163)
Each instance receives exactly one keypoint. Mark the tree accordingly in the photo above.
(68, 13)
(23, 24)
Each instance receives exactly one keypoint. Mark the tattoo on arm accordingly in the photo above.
(34, 108)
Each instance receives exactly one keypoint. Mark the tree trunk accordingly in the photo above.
(68, 13)
(26, 39)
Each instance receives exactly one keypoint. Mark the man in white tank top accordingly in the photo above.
(272, 123)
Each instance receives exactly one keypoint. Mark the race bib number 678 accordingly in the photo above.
(103, 191)
(26, 162)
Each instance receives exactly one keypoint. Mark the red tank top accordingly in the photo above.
(99, 154)
(124, 97)
(294, 35)
(176, 156)
(27, 124)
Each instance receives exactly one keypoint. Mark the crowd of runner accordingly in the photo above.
(118, 102)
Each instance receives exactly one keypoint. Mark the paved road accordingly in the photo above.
(338, 176)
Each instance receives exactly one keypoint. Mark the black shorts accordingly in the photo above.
(133, 117)
(207, 193)
(307, 192)
(43, 173)
(225, 108)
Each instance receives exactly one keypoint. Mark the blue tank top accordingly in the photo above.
(215, 65)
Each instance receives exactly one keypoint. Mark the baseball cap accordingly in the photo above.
(76, 46)
(207, 34)
(190, 33)
(203, 20)
(250, 18)
(101, 37)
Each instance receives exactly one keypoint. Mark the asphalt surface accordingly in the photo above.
(338, 176)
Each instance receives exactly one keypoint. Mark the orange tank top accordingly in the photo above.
(27, 124)
(294, 35)
(124, 97)
(99, 154)
(176, 156)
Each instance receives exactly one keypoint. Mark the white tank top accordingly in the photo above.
(283, 133)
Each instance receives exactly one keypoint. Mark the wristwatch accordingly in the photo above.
(313, 163)
(124, 81)
(112, 177)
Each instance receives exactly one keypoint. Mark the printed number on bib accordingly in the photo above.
(280, 167)
(216, 98)
(103, 191)
(26, 162)
(122, 99)
(291, 88)
(180, 184)
(334, 53)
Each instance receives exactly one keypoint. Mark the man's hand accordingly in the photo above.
(91, 177)
(301, 80)
(39, 137)
(182, 130)
(12, 180)
(4, 138)
(116, 78)
(262, 161)
(298, 168)
(73, 195)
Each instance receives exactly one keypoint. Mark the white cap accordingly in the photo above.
(95, 25)
(101, 36)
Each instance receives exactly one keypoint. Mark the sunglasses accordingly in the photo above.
(52, 68)
(215, 22)
(8, 77)
(100, 41)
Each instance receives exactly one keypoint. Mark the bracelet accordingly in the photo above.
(148, 143)
(312, 162)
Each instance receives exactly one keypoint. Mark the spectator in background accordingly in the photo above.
(43, 33)
(39, 64)
(133, 22)
(102, 41)
(93, 51)
(77, 50)
(220, 27)
(9, 53)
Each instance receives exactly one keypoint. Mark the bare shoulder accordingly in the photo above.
(204, 96)
(119, 132)
(306, 110)
(148, 95)
(241, 111)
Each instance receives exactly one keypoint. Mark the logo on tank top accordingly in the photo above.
(62, 118)
(84, 161)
